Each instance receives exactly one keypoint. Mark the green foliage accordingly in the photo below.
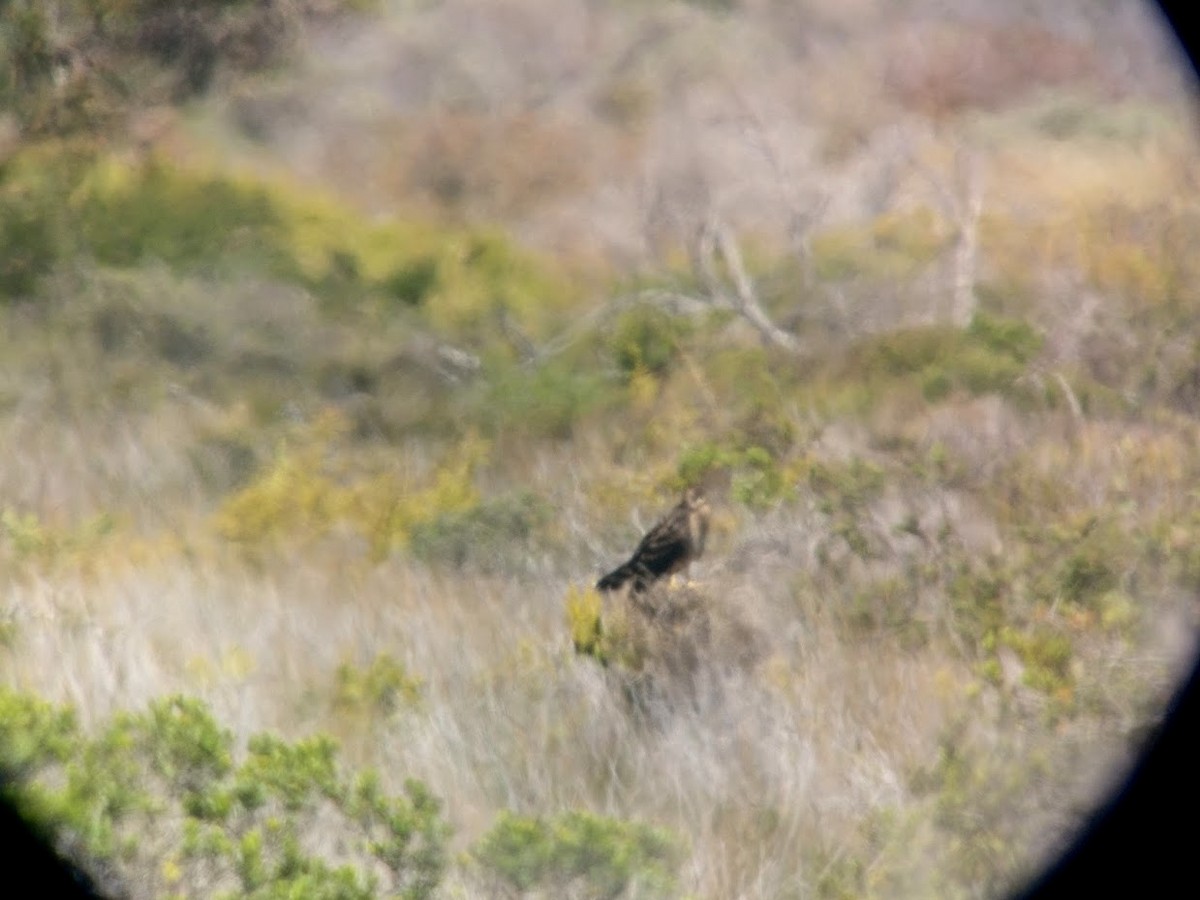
(1092, 566)
(979, 598)
(759, 481)
(579, 853)
(699, 460)
(184, 745)
(294, 775)
(125, 215)
(413, 282)
(585, 620)
(93, 62)
(647, 339)
(302, 495)
(126, 327)
(894, 246)
(1046, 654)
(247, 825)
(843, 491)
(485, 536)
(383, 687)
(1009, 337)
(886, 607)
(990, 356)
(847, 486)
(30, 244)
(1082, 558)
(33, 733)
(45, 546)
(972, 805)
(546, 401)
(161, 212)
(758, 478)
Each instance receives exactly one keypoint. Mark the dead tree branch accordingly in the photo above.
(715, 239)
(962, 204)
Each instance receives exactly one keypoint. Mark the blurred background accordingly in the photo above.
(345, 343)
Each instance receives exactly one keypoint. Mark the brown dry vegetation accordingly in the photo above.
(338, 475)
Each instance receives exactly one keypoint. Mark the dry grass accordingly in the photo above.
(796, 744)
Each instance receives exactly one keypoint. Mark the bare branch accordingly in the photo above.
(961, 201)
(966, 248)
(716, 238)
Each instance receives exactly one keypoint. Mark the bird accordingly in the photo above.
(670, 546)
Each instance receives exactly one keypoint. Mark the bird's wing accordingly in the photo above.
(666, 546)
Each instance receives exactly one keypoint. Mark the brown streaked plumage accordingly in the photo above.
(667, 548)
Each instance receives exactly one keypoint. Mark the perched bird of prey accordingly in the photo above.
(668, 547)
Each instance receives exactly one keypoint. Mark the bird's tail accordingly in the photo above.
(617, 578)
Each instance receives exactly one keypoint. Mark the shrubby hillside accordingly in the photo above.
(346, 344)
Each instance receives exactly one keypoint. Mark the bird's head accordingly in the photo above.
(693, 498)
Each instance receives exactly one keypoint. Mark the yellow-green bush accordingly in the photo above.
(585, 609)
(139, 53)
(1046, 653)
(647, 339)
(301, 495)
(894, 246)
(486, 536)
(163, 796)
(990, 356)
(545, 401)
(757, 477)
(30, 244)
(383, 686)
(26, 539)
(578, 853)
(125, 214)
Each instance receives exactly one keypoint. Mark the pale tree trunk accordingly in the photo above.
(960, 198)
(967, 208)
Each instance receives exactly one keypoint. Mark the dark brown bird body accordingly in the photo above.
(667, 548)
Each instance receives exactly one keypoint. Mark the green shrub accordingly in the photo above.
(162, 796)
(303, 495)
(126, 216)
(757, 477)
(1009, 337)
(698, 461)
(759, 481)
(30, 244)
(585, 610)
(139, 53)
(1082, 558)
(990, 356)
(647, 339)
(894, 246)
(45, 546)
(413, 282)
(979, 599)
(381, 688)
(980, 828)
(33, 734)
(485, 536)
(1046, 654)
(544, 401)
(846, 485)
(579, 854)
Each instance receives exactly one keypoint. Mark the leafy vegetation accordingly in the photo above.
(580, 854)
(88, 64)
(161, 799)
